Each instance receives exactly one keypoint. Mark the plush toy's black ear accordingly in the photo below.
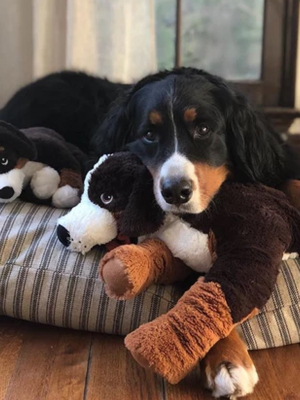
(256, 151)
(17, 140)
(113, 132)
(142, 214)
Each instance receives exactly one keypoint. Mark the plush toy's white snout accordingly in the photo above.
(11, 185)
(87, 224)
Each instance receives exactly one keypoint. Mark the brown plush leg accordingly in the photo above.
(227, 369)
(129, 269)
(172, 344)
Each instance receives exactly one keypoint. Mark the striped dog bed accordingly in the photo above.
(42, 281)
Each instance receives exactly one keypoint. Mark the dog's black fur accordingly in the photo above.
(73, 104)
(76, 105)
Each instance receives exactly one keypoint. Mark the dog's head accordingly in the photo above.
(192, 131)
(118, 199)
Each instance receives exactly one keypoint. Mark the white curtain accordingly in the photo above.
(108, 38)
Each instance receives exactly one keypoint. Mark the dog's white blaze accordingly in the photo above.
(174, 125)
(178, 166)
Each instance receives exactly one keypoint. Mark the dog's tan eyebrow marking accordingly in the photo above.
(190, 114)
(2, 148)
(155, 117)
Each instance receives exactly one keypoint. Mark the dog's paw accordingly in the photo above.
(231, 380)
(44, 182)
(65, 197)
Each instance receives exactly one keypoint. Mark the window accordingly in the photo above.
(251, 43)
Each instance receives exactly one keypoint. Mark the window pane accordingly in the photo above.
(165, 13)
(223, 36)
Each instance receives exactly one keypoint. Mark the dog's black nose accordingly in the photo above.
(177, 191)
(7, 192)
(63, 235)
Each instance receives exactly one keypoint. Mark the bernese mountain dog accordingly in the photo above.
(191, 129)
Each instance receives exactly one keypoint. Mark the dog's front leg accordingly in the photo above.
(227, 369)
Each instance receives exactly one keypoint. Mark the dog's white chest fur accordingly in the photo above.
(185, 242)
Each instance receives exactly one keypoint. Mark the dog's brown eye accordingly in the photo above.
(150, 137)
(203, 130)
(4, 161)
(106, 198)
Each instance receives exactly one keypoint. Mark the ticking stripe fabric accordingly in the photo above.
(42, 281)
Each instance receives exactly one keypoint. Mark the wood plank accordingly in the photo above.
(114, 375)
(278, 371)
(267, 387)
(286, 362)
(70, 366)
(188, 389)
(10, 345)
(39, 362)
(51, 364)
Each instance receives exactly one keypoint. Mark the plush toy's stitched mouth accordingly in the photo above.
(118, 241)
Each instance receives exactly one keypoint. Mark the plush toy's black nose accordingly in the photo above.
(63, 235)
(177, 191)
(7, 192)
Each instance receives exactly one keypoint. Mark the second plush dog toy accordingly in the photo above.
(40, 166)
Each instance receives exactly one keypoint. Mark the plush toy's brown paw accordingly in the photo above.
(155, 345)
(117, 283)
(125, 271)
(172, 344)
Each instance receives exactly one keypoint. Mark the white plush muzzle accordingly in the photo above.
(88, 224)
(13, 179)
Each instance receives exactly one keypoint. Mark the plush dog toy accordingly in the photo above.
(248, 228)
(38, 165)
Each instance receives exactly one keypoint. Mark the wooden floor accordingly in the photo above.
(39, 362)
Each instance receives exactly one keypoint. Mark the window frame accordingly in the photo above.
(276, 87)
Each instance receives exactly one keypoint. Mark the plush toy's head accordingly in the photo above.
(15, 150)
(118, 199)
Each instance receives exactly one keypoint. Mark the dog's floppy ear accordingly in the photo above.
(114, 130)
(256, 150)
(142, 214)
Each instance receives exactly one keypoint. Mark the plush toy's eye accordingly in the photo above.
(106, 198)
(4, 161)
(150, 137)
